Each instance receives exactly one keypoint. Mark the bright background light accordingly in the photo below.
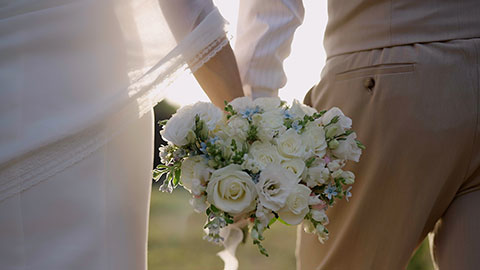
(302, 67)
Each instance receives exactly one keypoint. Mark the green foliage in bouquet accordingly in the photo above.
(259, 160)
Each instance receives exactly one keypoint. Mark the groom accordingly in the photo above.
(407, 73)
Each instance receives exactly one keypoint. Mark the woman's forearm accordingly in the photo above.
(219, 77)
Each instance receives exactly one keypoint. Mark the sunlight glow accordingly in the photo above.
(302, 67)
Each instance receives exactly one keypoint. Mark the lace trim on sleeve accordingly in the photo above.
(208, 38)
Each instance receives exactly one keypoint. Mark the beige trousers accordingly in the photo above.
(416, 108)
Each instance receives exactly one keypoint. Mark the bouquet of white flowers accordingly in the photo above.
(259, 160)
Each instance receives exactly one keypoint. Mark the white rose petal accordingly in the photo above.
(349, 177)
(264, 215)
(269, 124)
(194, 168)
(290, 144)
(320, 216)
(335, 165)
(198, 187)
(317, 176)
(300, 110)
(314, 139)
(178, 126)
(295, 165)
(315, 200)
(199, 203)
(274, 185)
(232, 190)
(308, 226)
(348, 149)
(264, 154)
(209, 113)
(267, 103)
(343, 124)
(242, 103)
(322, 235)
(296, 206)
(183, 121)
(237, 128)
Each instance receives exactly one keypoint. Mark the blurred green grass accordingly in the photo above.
(175, 241)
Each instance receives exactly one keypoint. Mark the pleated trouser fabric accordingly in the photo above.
(93, 215)
(416, 108)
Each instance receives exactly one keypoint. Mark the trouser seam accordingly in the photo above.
(477, 90)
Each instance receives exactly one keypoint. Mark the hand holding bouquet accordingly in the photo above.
(261, 160)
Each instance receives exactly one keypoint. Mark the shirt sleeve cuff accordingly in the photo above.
(259, 92)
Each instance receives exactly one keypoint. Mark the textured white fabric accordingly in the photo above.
(78, 79)
(264, 35)
(92, 215)
(68, 67)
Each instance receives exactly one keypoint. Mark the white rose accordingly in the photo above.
(194, 168)
(178, 126)
(314, 139)
(264, 215)
(209, 113)
(300, 110)
(348, 149)
(322, 235)
(267, 103)
(232, 190)
(296, 206)
(198, 187)
(343, 124)
(317, 175)
(335, 165)
(199, 203)
(290, 144)
(295, 165)
(249, 164)
(274, 185)
(182, 122)
(269, 123)
(264, 154)
(315, 200)
(242, 103)
(349, 177)
(308, 226)
(237, 128)
(320, 216)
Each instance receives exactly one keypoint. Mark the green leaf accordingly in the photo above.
(214, 209)
(157, 174)
(176, 177)
(360, 145)
(162, 122)
(334, 120)
(283, 221)
(309, 162)
(271, 222)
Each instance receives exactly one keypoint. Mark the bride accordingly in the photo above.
(78, 81)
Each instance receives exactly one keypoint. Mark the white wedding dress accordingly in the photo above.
(78, 80)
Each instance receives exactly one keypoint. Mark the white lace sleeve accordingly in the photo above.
(116, 61)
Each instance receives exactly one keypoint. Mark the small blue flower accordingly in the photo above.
(256, 177)
(287, 114)
(249, 112)
(330, 191)
(213, 140)
(296, 126)
(203, 147)
(348, 194)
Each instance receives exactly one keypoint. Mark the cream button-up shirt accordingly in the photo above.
(264, 35)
